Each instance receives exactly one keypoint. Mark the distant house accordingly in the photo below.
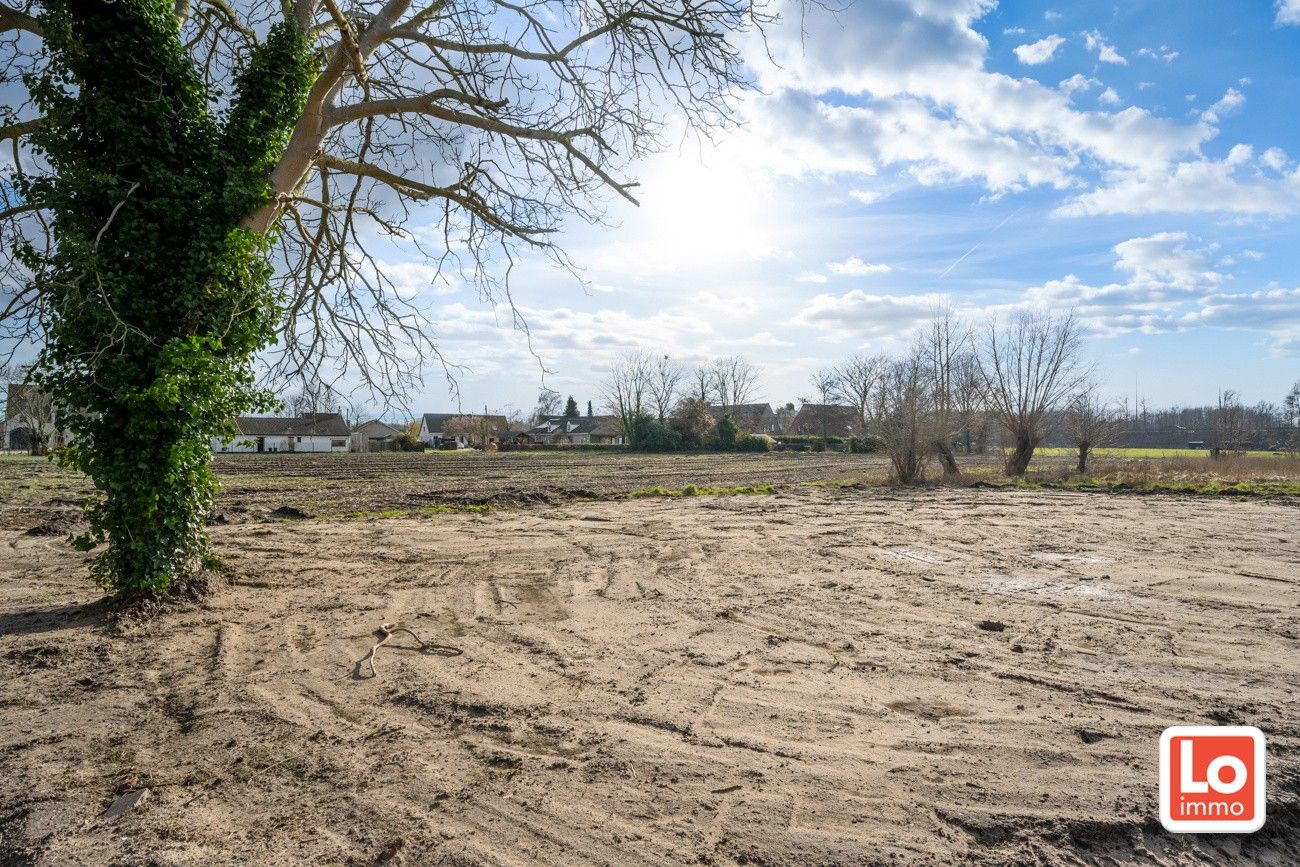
(376, 436)
(310, 432)
(823, 419)
(750, 418)
(494, 429)
(581, 431)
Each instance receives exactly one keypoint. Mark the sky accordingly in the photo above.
(1136, 162)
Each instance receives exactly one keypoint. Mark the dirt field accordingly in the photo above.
(812, 677)
(254, 486)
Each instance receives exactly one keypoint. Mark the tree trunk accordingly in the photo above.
(1018, 460)
(1084, 450)
(947, 458)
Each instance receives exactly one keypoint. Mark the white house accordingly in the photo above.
(311, 432)
(494, 429)
(581, 431)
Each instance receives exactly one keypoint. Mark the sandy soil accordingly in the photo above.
(810, 678)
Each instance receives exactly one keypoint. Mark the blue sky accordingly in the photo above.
(1136, 161)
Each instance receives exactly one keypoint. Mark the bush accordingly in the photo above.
(648, 435)
(407, 442)
(694, 422)
(864, 445)
(727, 433)
(755, 443)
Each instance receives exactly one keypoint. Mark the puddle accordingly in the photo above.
(1071, 557)
(1080, 590)
(916, 555)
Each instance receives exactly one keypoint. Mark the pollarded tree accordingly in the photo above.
(902, 416)
(1029, 366)
(1091, 423)
(942, 345)
(192, 181)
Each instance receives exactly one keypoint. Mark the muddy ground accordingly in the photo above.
(814, 677)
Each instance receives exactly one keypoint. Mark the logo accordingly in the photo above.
(1212, 779)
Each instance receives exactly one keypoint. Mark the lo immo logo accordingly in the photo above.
(1212, 779)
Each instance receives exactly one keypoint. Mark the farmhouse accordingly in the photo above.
(750, 418)
(585, 430)
(492, 428)
(310, 432)
(826, 419)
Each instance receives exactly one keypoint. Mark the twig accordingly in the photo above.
(388, 630)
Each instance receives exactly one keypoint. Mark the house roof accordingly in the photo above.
(376, 429)
(749, 417)
(838, 420)
(433, 421)
(321, 424)
(599, 425)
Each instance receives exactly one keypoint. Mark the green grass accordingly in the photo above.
(440, 509)
(1136, 453)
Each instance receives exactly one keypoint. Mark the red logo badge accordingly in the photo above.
(1212, 779)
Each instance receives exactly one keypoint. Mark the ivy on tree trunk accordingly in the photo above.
(157, 300)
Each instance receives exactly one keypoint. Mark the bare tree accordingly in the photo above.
(855, 382)
(825, 381)
(733, 380)
(942, 344)
(702, 383)
(666, 378)
(969, 404)
(548, 405)
(30, 408)
(467, 427)
(315, 396)
(1228, 425)
(500, 118)
(902, 416)
(626, 389)
(1091, 423)
(1029, 365)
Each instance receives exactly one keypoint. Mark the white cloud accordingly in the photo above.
(1236, 184)
(1164, 52)
(1166, 258)
(1171, 285)
(1109, 97)
(412, 280)
(1106, 52)
(1034, 53)
(864, 316)
(1288, 12)
(1013, 31)
(1078, 82)
(810, 277)
(866, 197)
(921, 98)
(855, 267)
(1228, 104)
